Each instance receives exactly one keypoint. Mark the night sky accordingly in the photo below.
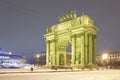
(23, 22)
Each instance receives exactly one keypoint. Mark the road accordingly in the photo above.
(80, 75)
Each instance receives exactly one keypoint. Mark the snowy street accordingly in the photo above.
(80, 75)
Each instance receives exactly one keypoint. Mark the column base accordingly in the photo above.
(83, 66)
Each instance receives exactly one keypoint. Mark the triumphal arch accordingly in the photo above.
(80, 32)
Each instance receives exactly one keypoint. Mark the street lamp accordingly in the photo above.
(105, 56)
(37, 59)
(107, 59)
(10, 53)
(38, 55)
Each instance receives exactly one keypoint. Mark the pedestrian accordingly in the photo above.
(31, 68)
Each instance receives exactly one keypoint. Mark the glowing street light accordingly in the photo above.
(107, 59)
(10, 53)
(105, 56)
(38, 56)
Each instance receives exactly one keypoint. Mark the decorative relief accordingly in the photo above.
(68, 16)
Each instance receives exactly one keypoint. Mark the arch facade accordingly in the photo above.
(80, 32)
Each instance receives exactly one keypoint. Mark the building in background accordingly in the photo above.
(109, 59)
(105, 60)
(40, 59)
(10, 60)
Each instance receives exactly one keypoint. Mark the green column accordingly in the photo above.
(82, 48)
(79, 49)
(57, 56)
(86, 48)
(90, 48)
(53, 52)
(65, 59)
(47, 51)
(73, 50)
(94, 49)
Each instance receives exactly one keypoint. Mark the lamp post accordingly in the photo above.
(105, 59)
(110, 61)
(37, 59)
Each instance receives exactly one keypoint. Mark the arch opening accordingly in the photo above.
(68, 54)
(64, 50)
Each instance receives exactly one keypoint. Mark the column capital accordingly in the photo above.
(90, 34)
(47, 41)
(73, 35)
(82, 33)
(94, 36)
(78, 35)
(52, 40)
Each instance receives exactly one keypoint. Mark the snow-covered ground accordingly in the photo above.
(77, 75)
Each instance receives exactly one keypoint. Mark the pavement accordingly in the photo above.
(6, 71)
(48, 74)
(47, 70)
